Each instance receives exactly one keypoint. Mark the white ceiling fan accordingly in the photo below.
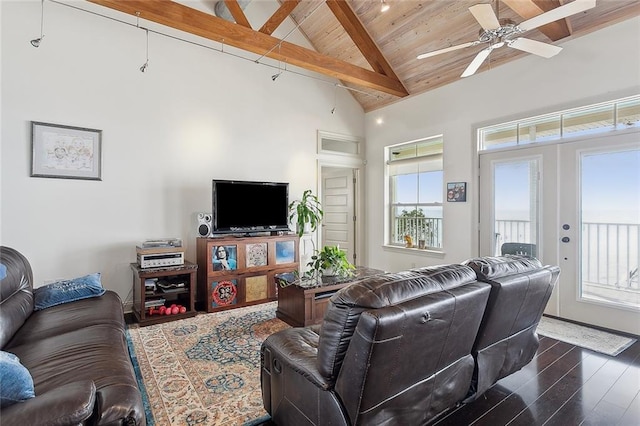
(503, 32)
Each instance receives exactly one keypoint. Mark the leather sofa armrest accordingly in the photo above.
(71, 404)
(297, 350)
(293, 391)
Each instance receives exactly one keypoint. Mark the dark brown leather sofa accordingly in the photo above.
(76, 353)
(404, 348)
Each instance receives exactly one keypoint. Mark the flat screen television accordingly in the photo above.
(246, 207)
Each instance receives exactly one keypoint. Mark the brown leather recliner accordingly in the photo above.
(507, 339)
(393, 349)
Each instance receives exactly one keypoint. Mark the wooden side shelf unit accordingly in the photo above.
(185, 296)
(249, 276)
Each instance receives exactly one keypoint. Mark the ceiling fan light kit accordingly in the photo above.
(499, 33)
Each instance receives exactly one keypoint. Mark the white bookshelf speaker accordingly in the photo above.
(204, 225)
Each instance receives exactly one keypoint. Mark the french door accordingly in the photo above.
(576, 205)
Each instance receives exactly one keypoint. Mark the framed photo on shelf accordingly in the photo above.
(224, 258)
(224, 293)
(256, 255)
(457, 192)
(65, 152)
(285, 252)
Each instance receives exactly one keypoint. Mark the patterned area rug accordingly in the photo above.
(586, 337)
(205, 370)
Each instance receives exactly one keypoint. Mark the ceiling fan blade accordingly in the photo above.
(447, 49)
(485, 16)
(477, 61)
(561, 12)
(536, 47)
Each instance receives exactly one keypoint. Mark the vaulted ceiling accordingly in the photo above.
(371, 51)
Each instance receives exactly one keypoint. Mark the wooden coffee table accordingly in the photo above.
(303, 305)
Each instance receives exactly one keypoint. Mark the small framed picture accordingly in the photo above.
(65, 152)
(457, 192)
(224, 258)
(285, 252)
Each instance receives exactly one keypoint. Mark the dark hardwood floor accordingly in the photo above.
(563, 385)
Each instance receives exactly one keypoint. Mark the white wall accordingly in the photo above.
(195, 115)
(600, 66)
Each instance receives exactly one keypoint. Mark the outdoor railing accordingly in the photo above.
(610, 251)
(428, 229)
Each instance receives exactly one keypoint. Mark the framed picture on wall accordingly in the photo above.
(65, 152)
(457, 192)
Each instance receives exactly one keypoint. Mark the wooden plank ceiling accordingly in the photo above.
(371, 51)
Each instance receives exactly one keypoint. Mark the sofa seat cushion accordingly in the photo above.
(97, 353)
(61, 319)
(346, 306)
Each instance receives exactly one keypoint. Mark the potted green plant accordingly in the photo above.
(330, 261)
(307, 211)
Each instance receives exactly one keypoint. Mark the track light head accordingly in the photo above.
(36, 41)
(144, 66)
(275, 76)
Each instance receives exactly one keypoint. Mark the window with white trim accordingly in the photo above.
(415, 179)
(605, 116)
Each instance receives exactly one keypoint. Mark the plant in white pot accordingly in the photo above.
(307, 212)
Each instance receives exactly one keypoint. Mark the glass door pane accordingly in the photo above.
(515, 185)
(610, 228)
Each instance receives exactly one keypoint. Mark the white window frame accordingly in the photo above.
(430, 155)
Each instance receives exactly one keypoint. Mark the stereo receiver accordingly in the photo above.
(160, 260)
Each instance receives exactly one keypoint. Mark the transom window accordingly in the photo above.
(415, 178)
(613, 115)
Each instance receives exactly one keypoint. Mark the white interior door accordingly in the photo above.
(338, 223)
(578, 206)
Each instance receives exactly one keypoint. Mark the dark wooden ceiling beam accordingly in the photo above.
(279, 16)
(529, 8)
(184, 18)
(237, 13)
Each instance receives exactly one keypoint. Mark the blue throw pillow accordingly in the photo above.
(68, 291)
(17, 384)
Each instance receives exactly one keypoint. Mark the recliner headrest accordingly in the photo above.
(489, 268)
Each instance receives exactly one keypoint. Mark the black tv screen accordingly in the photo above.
(244, 206)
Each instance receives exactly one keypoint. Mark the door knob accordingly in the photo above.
(565, 239)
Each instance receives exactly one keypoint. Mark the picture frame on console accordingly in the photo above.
(66, 152)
